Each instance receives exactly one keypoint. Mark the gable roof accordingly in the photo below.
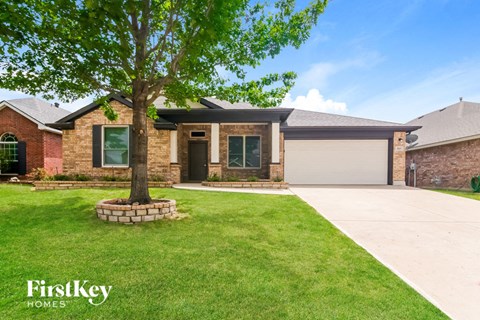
(68, 121)
(459, 121)
(37, 111)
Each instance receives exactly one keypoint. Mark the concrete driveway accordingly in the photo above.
(431, 240)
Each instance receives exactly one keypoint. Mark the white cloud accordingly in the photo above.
(314, 101)
(318, 74)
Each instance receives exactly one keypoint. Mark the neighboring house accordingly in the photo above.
(217, 137)
(446, 153)
(25, 138)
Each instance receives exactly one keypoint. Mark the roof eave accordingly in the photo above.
(225, 115)
(61, 125)
(356, 128)
(443, 143)
(164, 126)
(209, 104)
(92, 106)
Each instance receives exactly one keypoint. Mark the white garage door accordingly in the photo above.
(336, 161)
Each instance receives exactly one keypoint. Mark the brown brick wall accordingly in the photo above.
(52, 152)
(448, 166)
(43, 147)
(77, 145)
(231, 130)
(225, 130)
(77, 148)
(183, 137)
(399, 157)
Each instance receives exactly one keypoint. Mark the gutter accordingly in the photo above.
(349, 128)
(443, 143)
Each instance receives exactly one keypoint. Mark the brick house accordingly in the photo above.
(217, 137)
(26, 140)
(447, 149)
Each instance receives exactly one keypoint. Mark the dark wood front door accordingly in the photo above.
(197, 160)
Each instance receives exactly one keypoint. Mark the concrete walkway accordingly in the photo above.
(431, 240)
(198, 186)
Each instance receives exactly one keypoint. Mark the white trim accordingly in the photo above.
(103, 144)
(244, 136)
(442, 143)
(275, 142)
(40, 125)
(173, 146)
(215, 143)
(194, 124)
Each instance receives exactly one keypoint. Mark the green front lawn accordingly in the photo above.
(465, 194)
(237, 256)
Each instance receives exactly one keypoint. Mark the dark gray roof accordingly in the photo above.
(212, 109)
(458, 121)
(222, 104)
(39, 110)
(302, 118)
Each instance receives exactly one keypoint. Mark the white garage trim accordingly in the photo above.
(336, 161)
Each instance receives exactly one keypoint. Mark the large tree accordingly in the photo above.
(142, 49)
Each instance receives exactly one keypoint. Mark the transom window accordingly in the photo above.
(9, 146)
(244, 152)
(115, 146)
(197, 134)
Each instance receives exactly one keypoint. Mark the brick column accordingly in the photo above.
(174, 173)
(215, 168)
(399, 146)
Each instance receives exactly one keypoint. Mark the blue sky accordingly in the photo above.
(383, 59)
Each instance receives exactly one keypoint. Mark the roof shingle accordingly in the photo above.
(457, 121)
(302, 118)
(39, 110)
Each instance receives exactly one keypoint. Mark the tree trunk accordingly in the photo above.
(139, 187)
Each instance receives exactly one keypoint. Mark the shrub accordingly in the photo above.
(214, 177)
(252, 179)
(475, 184)
(157, 178)
(39, 174)
(233, 178)
(114, 178)
(81, 177)
(277, 179)
(4, 161)
(61, 177)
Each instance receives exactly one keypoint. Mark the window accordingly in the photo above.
(244, 152)
(115, 146)
(8, 153)
(197, 134)
(9, 146)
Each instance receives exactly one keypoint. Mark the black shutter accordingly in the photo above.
(130, 145)
(22, 157)
(97, 146)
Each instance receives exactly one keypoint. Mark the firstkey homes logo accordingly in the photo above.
(41, 292)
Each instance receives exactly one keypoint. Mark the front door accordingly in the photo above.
(197, 160)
